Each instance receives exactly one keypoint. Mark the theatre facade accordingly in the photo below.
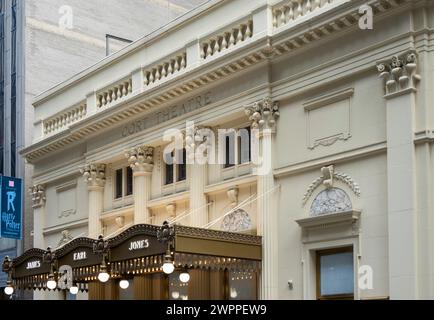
(338, 207)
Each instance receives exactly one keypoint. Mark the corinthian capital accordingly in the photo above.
(399, 73)
(263, 114)
(141, 159)
(38, 195)
(94, 174)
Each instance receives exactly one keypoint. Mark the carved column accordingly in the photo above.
(263, 116)
(141, 160)
(197, 147)
(400, 80)
(94, 176)
(38, 200)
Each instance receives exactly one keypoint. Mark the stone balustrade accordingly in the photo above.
(165, 68)
(64, 119)
(113, 93)
(226, 39)
(291, 10)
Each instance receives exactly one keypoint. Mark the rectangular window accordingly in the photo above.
(168, 160)
(335, 274)
(182, 167)
(230, 150)
(244, 146)
(129, 181)
(118, 184)
(175, 167)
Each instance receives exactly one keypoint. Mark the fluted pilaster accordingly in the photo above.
(263, 116)
(141, 160)
(198, 137)
(38, 200)
(94, 176)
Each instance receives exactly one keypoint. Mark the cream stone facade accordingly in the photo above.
(351, 132)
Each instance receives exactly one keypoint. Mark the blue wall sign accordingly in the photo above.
(10, 207)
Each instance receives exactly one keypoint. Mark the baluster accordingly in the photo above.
(203, 52)
(177, 64)
(317, 4)
(291, 12)
(158, 74)
(224, 41)
(98, 101)
(209, 49)
(114, 94)
(151, 76)
(104, 100)
(308, 6)
(218, 46)
(170, 68)
(275, 19)
(232, 38)
(109, 96)
(163, 71)
(146, 78)
(119, 91)
(282, 15)
(239, 35)
(249, 31)
(130, 85)
(183, 61)
(300, 8)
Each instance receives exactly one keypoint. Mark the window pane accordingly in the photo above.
(168, 173)
(128, 293)
(337, 274)
(244, 145)
(182, 168)
(118, 184)
(230, 150)
(242, 285)
(177, 289)
(129, 181)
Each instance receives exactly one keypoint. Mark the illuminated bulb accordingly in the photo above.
(124, 284)
(9, 290)
(73, 290)
(234, 293)
(175, 295)
(168, 267)
(51, 284)
(103, 276)
(184, 277)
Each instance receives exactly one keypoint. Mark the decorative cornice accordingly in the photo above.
(138, 229)
(38, 196)
(74, 244)
(94, 174)
(263, 114)
(217, 235)
(32, 253)
(328, 174)
(284, 41)
(399, 73)
(141, 159)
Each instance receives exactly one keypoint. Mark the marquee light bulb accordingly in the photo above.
(184, 277)
(103, 276)
(9, 290)
(124, 284)
(51, 284)
(168, 267)
(73, 290)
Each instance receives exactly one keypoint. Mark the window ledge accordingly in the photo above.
(329, 220)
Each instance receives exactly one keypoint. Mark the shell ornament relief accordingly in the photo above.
(236, 221)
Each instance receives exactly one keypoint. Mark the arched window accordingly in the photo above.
(331, 200)
(236, 221)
